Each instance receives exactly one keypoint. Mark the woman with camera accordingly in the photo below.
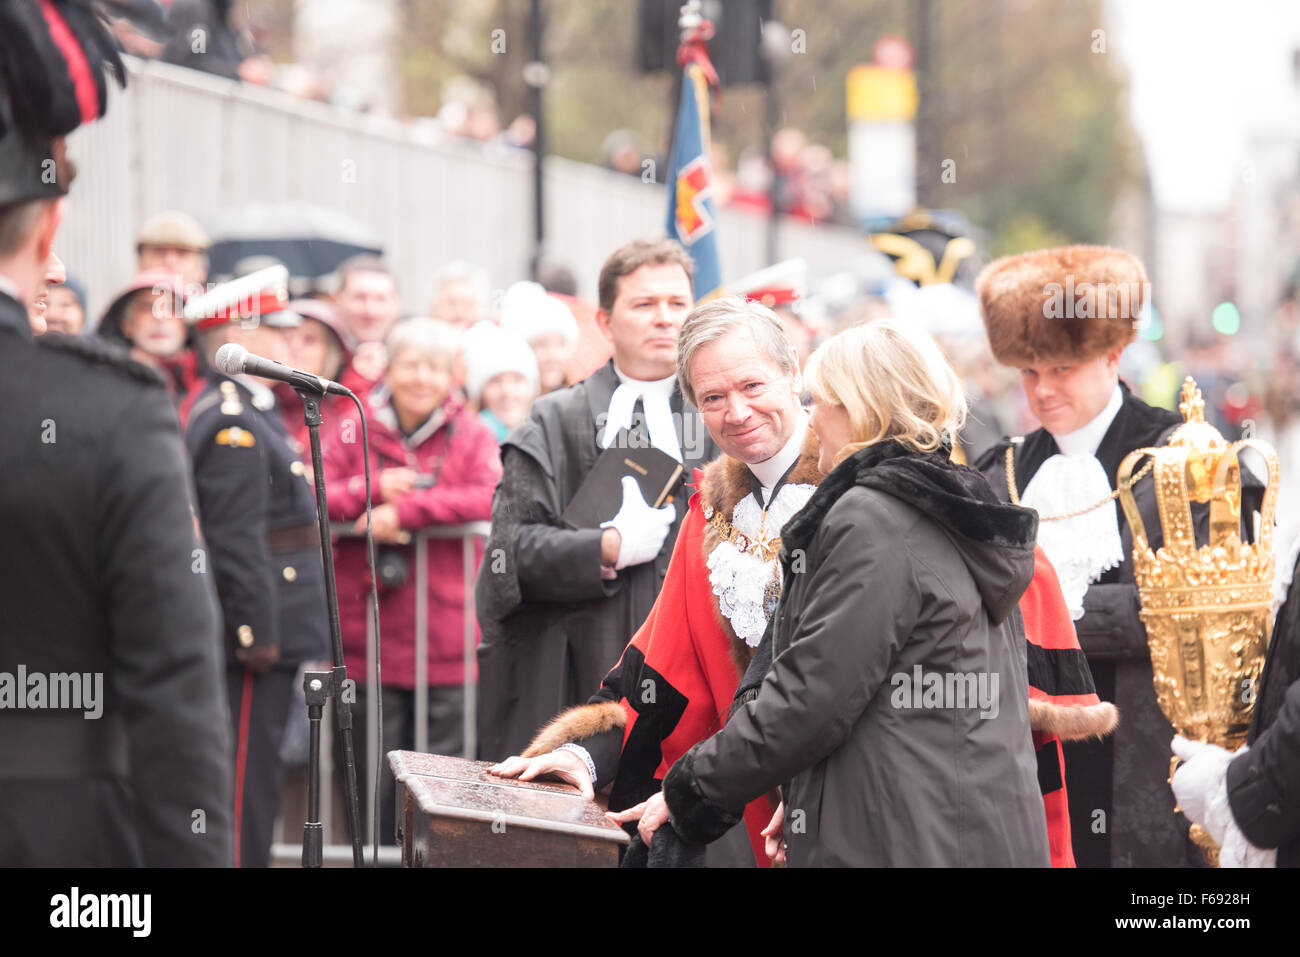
(894, 715)
(432, 462)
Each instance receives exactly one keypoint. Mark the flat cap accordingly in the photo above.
(173, 228)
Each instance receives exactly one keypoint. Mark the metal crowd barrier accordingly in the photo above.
(336, 850)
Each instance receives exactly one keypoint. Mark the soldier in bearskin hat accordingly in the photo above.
(103, 599)
(1063, 317)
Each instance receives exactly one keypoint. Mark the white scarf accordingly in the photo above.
(654, 395)
(1081, 548)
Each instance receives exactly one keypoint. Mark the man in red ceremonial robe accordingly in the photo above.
(678, 677)
(674, 684)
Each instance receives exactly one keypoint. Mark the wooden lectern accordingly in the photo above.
(452, 813)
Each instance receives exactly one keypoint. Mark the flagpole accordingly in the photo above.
(689, 18)
(536, 75)
(692, 211)
(772, 117)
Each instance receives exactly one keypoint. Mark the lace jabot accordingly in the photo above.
(1085, 546)
(747, 587)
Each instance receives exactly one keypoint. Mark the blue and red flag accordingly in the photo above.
(692, 212)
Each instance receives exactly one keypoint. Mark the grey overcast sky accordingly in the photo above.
(1204, 75)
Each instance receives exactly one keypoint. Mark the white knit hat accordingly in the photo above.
(490, 351)
(530, 312)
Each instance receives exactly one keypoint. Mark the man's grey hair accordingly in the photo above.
(717, 318)
(431, 337)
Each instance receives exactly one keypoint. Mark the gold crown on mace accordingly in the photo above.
(1207, 608)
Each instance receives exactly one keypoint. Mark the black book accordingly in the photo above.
(600, 496)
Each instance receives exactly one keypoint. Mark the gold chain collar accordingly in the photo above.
(764, 547)
(1015, 498)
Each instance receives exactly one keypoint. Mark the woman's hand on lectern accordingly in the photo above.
(649, 815)
(565, 765)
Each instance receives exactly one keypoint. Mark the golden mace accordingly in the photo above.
(1207, 609)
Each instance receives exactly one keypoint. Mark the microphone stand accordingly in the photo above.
(322, 685)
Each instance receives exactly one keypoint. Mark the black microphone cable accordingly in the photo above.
(374, 611)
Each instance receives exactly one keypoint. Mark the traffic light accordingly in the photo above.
(1226, 318)
(657, 35)
(734, 49)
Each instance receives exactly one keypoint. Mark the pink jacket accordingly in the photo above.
(461, 452)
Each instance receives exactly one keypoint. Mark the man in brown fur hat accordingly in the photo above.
(1063, 317)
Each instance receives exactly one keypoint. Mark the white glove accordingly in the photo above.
(1235, 850)
(1199, 778)
(641, 529)
(1201, 786)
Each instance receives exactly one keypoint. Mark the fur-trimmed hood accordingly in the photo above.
(995, 541)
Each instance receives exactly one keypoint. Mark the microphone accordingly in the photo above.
(234, 359)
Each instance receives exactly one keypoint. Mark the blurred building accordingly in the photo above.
(1267, 199)
(354, 44)
(1193, 269)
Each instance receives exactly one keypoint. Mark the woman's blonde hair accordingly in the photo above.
(894, 383)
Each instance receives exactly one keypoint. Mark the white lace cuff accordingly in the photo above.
(583, 753)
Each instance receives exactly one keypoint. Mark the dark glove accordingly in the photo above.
(667, 849)
(258, 659)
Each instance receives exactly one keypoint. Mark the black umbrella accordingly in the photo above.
(310, 240)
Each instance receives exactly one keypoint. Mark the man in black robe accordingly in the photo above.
(1063, 317)
(557, 606)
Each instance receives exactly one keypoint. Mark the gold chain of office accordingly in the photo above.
(1015, 498)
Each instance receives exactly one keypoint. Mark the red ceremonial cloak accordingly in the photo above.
(1063, 702)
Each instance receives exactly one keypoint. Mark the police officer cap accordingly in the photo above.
(281, 318)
